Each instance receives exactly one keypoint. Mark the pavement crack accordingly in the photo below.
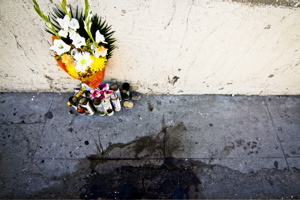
(100, 147)
(277, 135)
(164, 132)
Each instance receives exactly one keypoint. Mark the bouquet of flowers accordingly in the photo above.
(82, 43)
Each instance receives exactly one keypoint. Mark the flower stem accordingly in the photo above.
(45, 18)
(87, 8)
(63, 4)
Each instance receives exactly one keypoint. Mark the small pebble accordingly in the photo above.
(128, 104)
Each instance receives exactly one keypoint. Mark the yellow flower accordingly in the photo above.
(67, 59)
(72, 71)
(98, 63)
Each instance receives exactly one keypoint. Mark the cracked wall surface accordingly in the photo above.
(166, 47)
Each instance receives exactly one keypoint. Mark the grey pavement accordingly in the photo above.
(186, 146)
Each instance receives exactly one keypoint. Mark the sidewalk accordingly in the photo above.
(213, 146)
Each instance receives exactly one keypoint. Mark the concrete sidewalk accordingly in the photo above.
(209, 146)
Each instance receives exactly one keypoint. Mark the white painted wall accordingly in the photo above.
(213, 47)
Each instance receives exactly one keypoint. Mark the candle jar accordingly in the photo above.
(98, 106)
(116, 90)
(115, 102)
(125, 91)
(84, 102)
(108, 107)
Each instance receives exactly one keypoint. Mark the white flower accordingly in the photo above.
(83, 61)
(60, 47)
(72, 34)
(67, 25)
(64, 23)
(63, 33)
(100, 37)
(78, 41)
(74, 24)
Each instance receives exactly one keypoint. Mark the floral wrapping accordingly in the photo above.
(92, 78)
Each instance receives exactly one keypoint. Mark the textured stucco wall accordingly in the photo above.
(170, 46)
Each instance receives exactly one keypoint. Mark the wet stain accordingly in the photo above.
(150, 106)
(271, 182)
(167, 181)
(144, 147)
(293, 152)
(227, 149)
(276, 164)
(239, 142)
(150, 174)
(173, 137)
(253, 147)
(49, 115)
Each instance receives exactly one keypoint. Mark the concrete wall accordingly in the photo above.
(170, 46)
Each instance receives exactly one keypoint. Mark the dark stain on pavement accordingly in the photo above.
(146, 169)
(49, 115)
(150, 106)
(168, 179)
